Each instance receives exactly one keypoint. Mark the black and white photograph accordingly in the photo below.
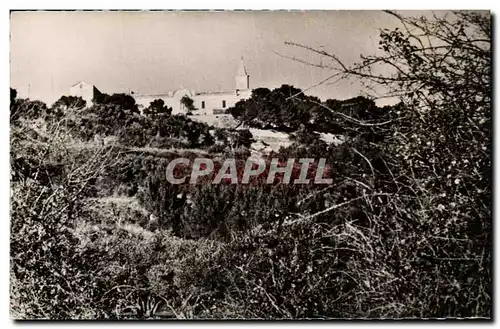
(250, 165)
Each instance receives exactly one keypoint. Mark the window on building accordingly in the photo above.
(224, 104)
(202, 104)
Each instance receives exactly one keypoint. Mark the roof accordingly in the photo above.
(198, 93)
(151, 95)
(218, 92)
(83, 82)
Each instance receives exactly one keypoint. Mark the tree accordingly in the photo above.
(27, 109)
(13, 95)
(431, 153)
(60, 107)
(274, 109)
(66, 102)
(431, 62)
(13, 105)
(48, 266)
(157, 107)
(189, 104)
(126, 102)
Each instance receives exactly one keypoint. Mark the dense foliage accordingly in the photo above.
(188, 103)
(124, 101)
(275, 109)
(157, 107)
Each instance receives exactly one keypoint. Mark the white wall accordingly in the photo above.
(212, 101)
(145, 100)
(83, 90)
(215, 101)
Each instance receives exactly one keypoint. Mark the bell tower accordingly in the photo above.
(242, 77)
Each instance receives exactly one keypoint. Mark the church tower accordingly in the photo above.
(242, 77)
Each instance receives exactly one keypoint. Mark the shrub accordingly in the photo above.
(157, 107)
(50, 278)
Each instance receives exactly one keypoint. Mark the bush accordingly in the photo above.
(157, 107)
(124, 101)
(27, 109)
(50, 277)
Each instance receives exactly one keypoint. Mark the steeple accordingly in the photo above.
(242, 77)
(242, 70)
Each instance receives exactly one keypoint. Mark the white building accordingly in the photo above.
(84, 90)
(207, 102)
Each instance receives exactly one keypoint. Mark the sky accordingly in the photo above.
(154, 52)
